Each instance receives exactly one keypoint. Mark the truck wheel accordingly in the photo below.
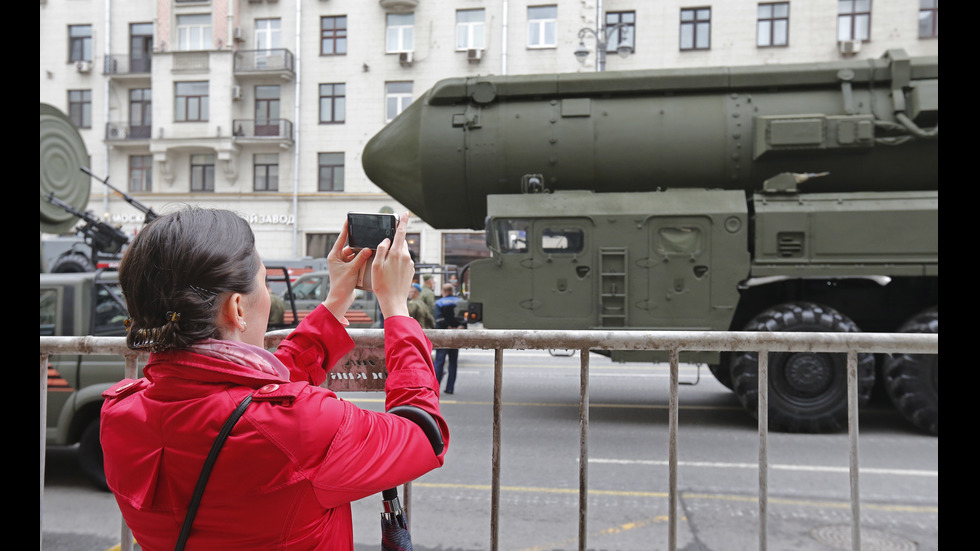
(912, 380)
(72, 263)
(722, 370)
(90, 456)
(807, 390)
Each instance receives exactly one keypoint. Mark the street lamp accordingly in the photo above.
(602, 41)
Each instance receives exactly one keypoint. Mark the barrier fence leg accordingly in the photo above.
(672, 453)
(498, 377)
(763, 415)
(583, 464)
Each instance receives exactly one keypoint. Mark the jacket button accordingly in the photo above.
(269, 388)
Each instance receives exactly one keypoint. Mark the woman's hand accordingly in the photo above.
(344, 265)
(392, 272)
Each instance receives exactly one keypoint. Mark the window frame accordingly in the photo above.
(400, 37)
(80, 108)
(190, 35)
(80, 45)
(336, 171)
(202, 172)
(848, 18)
(335, 101)
(773, 22)
(929, 14)
(540, 27)
(267, 167)
(614, 39)
(401, 99)
(144, 170)
(471, 34)
(202, 101)
(335, 35)
(698, 26)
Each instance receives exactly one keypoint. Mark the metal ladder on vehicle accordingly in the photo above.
(612, 287)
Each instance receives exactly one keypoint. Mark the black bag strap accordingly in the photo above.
(202, 480)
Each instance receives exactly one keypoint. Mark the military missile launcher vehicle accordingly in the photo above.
(799, 197)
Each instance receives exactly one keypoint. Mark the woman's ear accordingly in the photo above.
(231, 315)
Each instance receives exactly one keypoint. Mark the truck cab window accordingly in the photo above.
(569, 240)
(512, 235)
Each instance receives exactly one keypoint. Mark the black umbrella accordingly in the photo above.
(394, 524)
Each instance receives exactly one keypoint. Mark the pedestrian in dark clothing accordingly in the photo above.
(446, 319)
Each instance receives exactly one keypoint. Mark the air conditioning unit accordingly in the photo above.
(114, 133)
(83, 66)
(238, 34)
(850, 47)
(236, 92)
(405, 59)
(474, 55)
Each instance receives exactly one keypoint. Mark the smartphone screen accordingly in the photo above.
(367, 230)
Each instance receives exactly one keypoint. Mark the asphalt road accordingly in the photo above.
(718, 483)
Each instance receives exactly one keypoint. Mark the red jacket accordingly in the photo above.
(297, 458)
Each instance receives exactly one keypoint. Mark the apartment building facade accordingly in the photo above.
(264, 106)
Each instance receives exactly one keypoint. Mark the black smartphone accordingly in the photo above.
(368, 230)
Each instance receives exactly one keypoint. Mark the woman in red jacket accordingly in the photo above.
(198, 301)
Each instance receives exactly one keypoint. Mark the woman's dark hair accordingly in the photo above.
(176, 270)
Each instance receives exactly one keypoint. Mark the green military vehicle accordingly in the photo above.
(81, 303)
(798, 197)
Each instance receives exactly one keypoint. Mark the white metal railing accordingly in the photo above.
(672, 342)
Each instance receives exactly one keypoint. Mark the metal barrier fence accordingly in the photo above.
(673, 342)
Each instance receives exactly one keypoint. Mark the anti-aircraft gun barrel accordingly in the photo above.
(103, 237)
(872, 124)
(148, 213)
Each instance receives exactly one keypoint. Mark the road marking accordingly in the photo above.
(687, 495)
(773, 467)
(559, 404)
(625, 527)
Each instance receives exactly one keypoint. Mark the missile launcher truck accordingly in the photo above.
(798, 197)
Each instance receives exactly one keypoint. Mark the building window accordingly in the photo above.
(928, 18)
(696, 29)
(331, 174)
(79, 43)
(854, 20)
(267, 110)
(140, 112)
(141, 173)
(194, 32)
(266, 171)
(140, 47)
(333, 35)
(398, 96)
(624, 34)
(462, 248)
(333, 103)
(470, 29)
(542, 26)
(772, 28)
(191, 101)
(202, 172)
(80, 108)
(400, 34)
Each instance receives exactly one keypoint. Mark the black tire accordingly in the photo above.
(912, 380)
(722, 370)
(807, 390)
(72, 263)
(90, 456)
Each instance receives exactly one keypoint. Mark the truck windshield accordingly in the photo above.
(512, 235)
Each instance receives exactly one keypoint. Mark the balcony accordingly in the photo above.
(264, 62)
(122, 133)
(263, 131)
(125, 66)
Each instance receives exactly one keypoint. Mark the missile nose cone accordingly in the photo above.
(391, 160)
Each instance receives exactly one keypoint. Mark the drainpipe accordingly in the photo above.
(296, 133)
(503, 43)
(105, 104)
